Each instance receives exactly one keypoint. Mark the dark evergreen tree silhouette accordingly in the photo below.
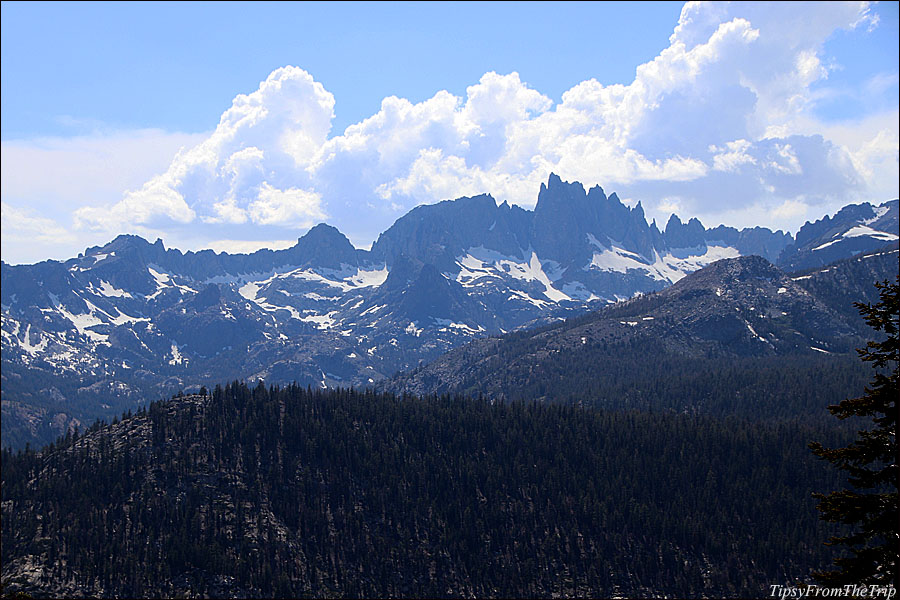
(871, 460)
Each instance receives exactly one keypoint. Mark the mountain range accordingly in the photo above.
(99, 333)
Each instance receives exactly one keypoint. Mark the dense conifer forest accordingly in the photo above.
(262, 491)
(634, 375)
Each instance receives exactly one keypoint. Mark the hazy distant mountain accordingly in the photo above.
(95, 334)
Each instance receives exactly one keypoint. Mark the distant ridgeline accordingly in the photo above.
(292, 492)
(131, 321)
(739, 337)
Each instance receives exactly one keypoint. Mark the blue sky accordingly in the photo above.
(78, 66)
(226, 125)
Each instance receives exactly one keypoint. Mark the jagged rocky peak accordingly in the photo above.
(640, 236)
(610, 215)
(563, 219)
(570, 223)
(556, 190)
(122, 241)
(685, 235)
(439, 233)
(560, 200)
(124, 248)
(323, 246)
(126, 241)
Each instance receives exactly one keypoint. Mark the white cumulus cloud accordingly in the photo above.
(251, 168)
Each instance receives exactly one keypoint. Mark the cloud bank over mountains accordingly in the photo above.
(721, 124)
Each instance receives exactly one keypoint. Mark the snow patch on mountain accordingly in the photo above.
(619, 260)
(858, 231)
(124, 318)
(325, 321)
(110, 291)
(249, 291)
(861, 230)
(368, 278)
(671, 269)
(165, 281)
(516, 294)
(24, 342)
(879, 211)
(177, 357)
(480, 263)
(101, 256)
(535, 272)
(82, 322)
(450, 325)
(668, 267)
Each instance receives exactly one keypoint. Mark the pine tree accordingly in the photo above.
(870, 461)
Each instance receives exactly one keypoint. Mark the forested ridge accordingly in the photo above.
(738, 337)
(633, 374)
(264, 491)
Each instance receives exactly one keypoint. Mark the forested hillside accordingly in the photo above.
(739, 337)
(260, 492)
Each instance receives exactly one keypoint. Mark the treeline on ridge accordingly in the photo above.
(633, 374)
